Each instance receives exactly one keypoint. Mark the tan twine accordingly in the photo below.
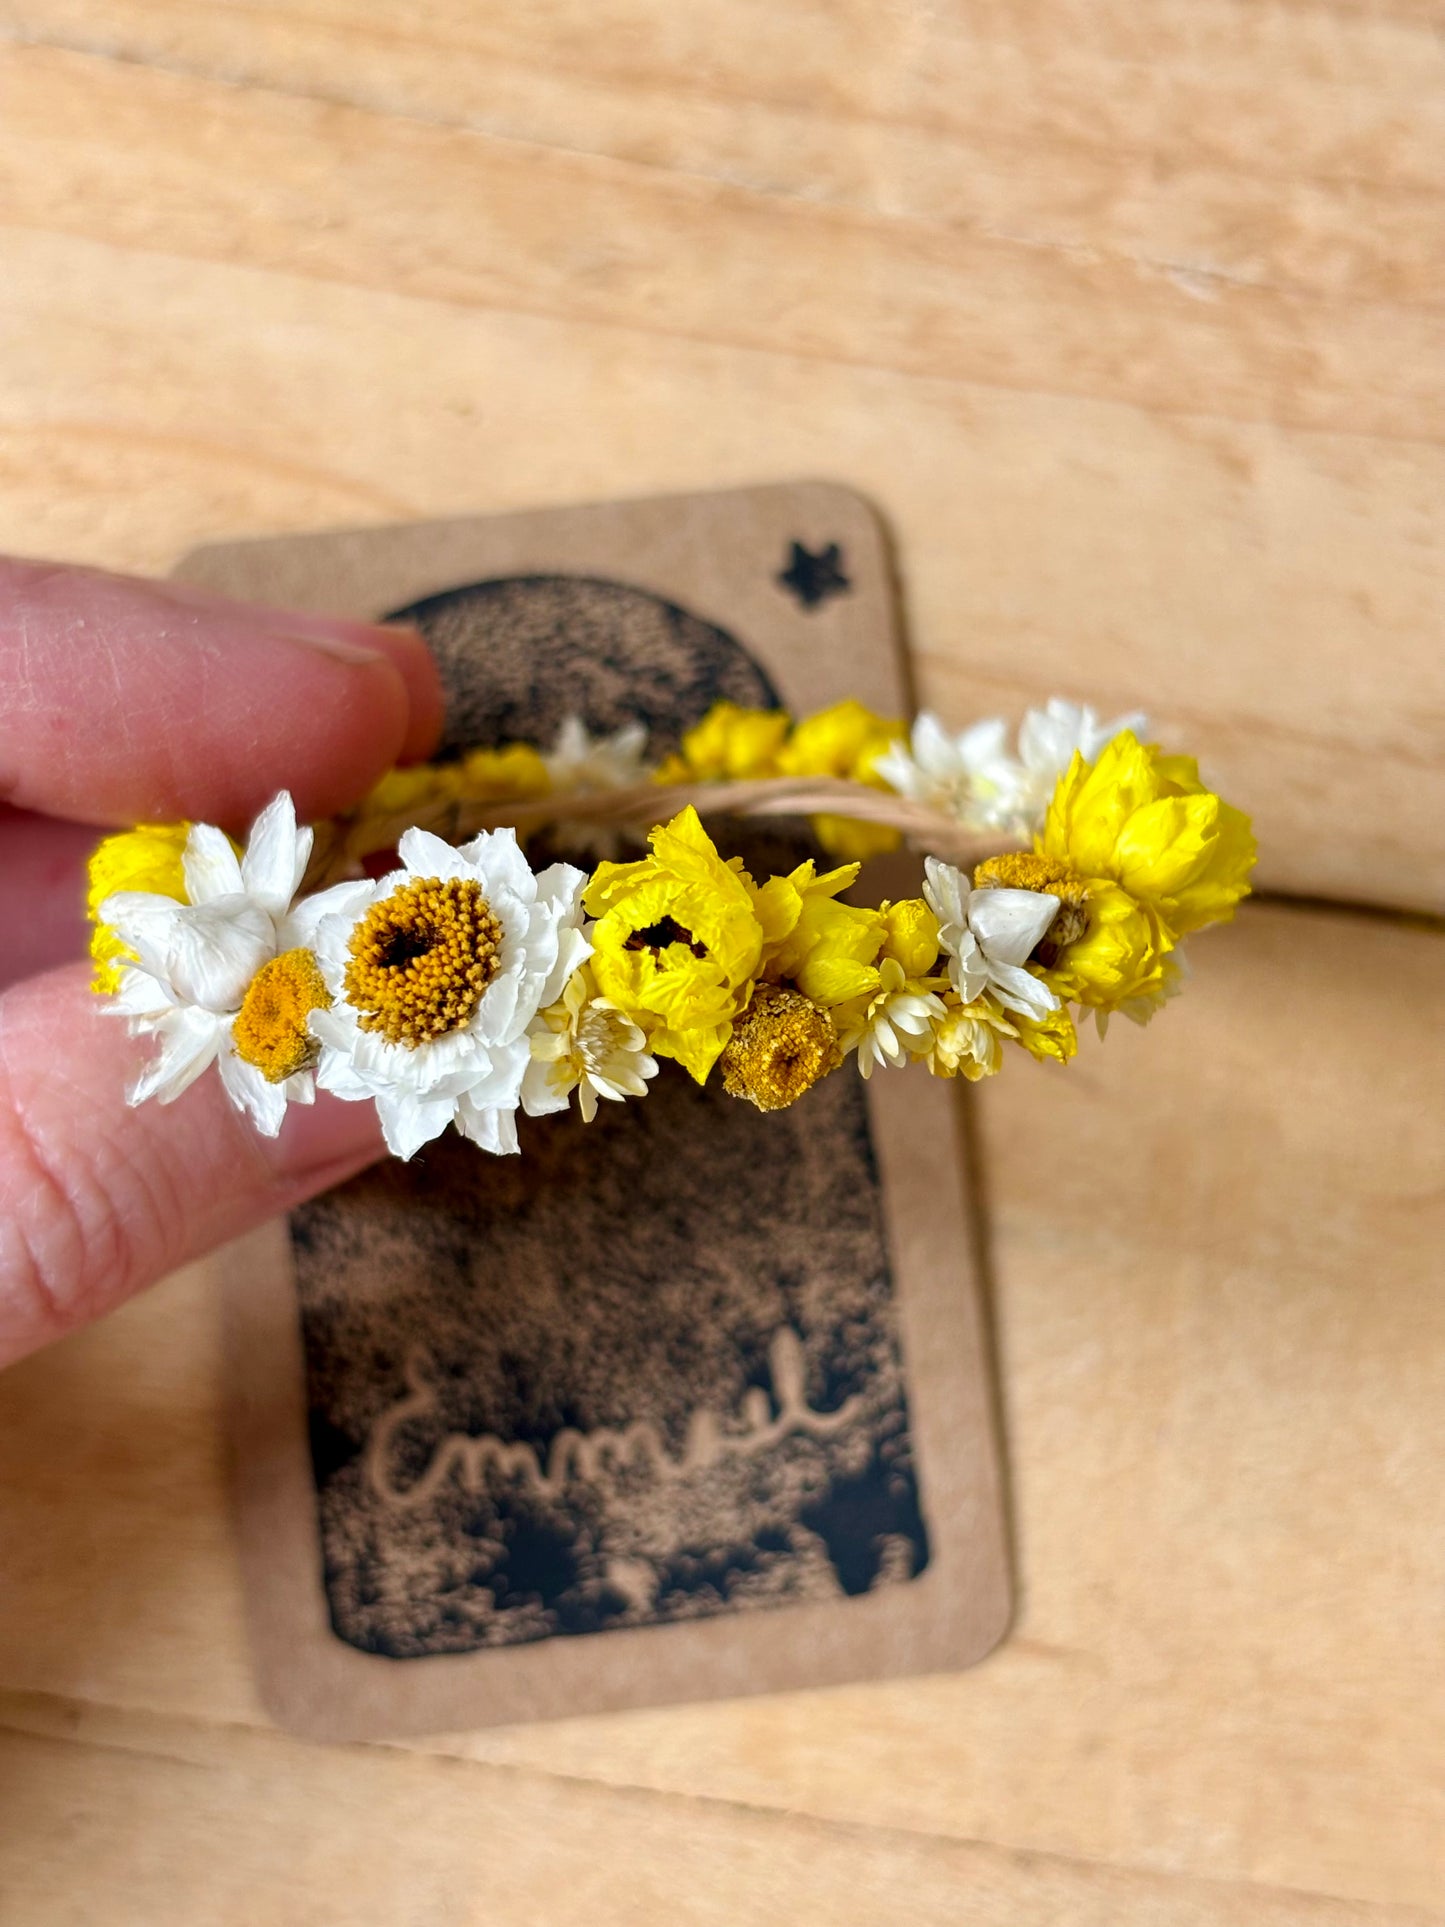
(341, 846)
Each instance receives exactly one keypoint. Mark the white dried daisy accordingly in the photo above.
(959, 776)
(228, 975)
(585, 1043)
(580, 761)
(435, 974)
(896, 1023)
(974, 777)
(1048, 738)
(988, 936)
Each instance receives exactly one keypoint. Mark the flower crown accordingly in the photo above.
(465, 985)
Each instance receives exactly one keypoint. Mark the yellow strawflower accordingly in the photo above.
(896, 992)
(1121, 956)
(1146, 822)
(967, 1040)
(730, 745)
(831, 946)
(845, 740)
(145, 858)
(413, 788)
(1053, 1036)
(507, 775)
(910, 933)
(680, 937)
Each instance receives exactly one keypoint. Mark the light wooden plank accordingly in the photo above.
(1267, 596)
(206, 1825)
(1216, 1254)
(165, 162)
(1288, 145)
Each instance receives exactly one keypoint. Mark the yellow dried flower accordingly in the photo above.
(1120, 957)
(967, 1040)
(410, 790)
(1145, 821)
(1053, 1036)
(1022, 870)
(145, 858)
(511, 774)
(845, 740)
(781, 1045)
(830, 946)
(680, 937)
(730, 745)
(892, 1014)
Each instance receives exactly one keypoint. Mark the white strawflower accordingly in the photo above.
(1048, 738)
(227, 976)
(988, 936)
(955, 775)
(974, 777)
(580, 761)
(583, 1042)
(435, 974)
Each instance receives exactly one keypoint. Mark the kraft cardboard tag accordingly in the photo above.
(688, 1402)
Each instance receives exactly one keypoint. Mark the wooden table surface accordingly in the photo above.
(1130, 321)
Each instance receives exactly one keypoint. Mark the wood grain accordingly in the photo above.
(297, 330)
(1220, 1325)
(1047, 125)
(209, 1824)
(1130, 324)
(335, 193)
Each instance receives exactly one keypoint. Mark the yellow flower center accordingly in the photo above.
(781, 1045)
(421, 958)
(1022, 870)
(270, 1027)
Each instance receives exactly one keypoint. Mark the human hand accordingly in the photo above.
(124, 701)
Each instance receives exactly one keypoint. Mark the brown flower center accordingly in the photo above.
(657, 936)
(421, 959)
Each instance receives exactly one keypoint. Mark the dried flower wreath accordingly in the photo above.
(464, 984)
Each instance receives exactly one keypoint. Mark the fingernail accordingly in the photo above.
(323, 1143)
(346, 638)
(340, 647)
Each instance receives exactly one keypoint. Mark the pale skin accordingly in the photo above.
(124, 701)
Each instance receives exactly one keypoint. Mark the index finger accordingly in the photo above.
(124, 700)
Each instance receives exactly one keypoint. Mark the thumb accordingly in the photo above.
(96, 1199)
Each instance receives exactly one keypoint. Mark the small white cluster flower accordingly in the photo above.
(897, 1025)
(584, 1043)
(975, 777)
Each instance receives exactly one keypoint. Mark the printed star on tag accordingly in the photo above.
(813, 578)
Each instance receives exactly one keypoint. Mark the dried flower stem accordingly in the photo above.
(342, 846)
